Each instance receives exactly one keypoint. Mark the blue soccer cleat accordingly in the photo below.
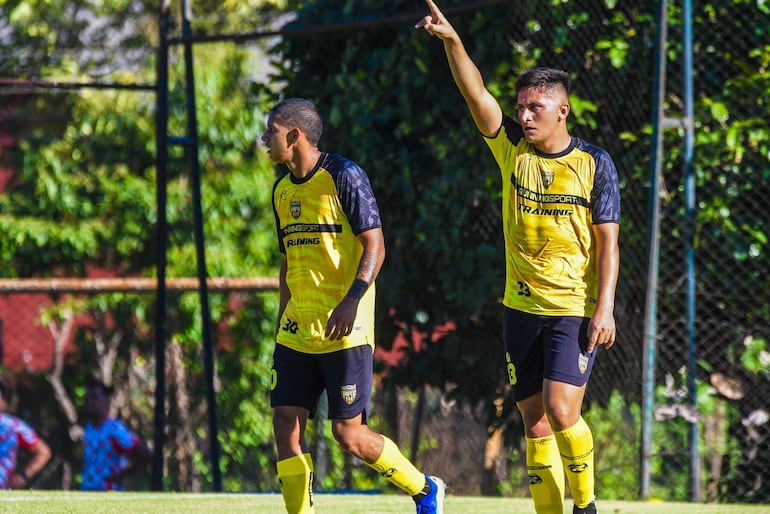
(433, 502)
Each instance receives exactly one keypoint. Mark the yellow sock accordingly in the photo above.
(398, 470)
(296, 477)
(546, 475)
(576, 445)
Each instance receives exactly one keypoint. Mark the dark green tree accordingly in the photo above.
(81, 200)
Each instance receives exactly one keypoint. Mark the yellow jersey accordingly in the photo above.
(318, 219)
(550, 203)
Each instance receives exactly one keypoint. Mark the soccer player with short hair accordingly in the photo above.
(332, 246)
(561, 213)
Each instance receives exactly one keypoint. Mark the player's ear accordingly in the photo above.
(564, 111)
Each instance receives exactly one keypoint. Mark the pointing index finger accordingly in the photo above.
(434, 12)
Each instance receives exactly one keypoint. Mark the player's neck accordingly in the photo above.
(556, 144)
(304, 162)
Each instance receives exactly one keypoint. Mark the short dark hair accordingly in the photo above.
(95, 382)
(302, 114)
(543, 78)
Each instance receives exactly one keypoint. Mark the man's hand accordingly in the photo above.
(435, 23)
(601, 330)
(342, 319)
(17, 481)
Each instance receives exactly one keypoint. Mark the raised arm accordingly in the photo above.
(484, 108)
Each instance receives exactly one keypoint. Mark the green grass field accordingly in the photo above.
(54, 502)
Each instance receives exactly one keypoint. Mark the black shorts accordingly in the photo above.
(300, 378)
(539, 347)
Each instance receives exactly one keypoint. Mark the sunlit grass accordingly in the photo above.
(55, 502)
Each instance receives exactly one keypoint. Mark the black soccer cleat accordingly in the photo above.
(588, 509)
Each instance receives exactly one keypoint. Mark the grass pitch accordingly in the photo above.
(61, 502)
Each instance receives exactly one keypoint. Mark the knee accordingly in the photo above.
(347, 438)
(562, 415)
(539, 428)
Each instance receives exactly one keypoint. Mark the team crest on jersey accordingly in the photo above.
(582, 363)
(295, 209)
(348, 393)
(547, 177)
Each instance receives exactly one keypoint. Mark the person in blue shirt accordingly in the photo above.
(111, 451)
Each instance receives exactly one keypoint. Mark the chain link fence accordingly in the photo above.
(730, 252)
(727, 410)
(479, 448)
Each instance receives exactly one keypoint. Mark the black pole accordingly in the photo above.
(195, 171)
(161, 179)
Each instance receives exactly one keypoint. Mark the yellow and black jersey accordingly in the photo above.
(550, 203)
(318, 219)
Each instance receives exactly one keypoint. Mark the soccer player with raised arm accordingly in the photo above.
(561, 213)
(332, 247)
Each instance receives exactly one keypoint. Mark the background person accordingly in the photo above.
(15, 434)
(110, 450)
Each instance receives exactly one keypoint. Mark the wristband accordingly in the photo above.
(358, 289)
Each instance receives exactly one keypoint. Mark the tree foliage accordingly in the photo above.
(82, 200)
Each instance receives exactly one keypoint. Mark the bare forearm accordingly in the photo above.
(607, 268)
(39, 460)
(464, 72)
(372, 257)
(369, 266)
(283, 294)
(484, 108)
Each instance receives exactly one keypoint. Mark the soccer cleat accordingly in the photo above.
(588, 509)
(433, 502)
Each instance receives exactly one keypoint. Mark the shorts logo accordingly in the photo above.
(348, 393)
(582, 363)
(295, 208)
